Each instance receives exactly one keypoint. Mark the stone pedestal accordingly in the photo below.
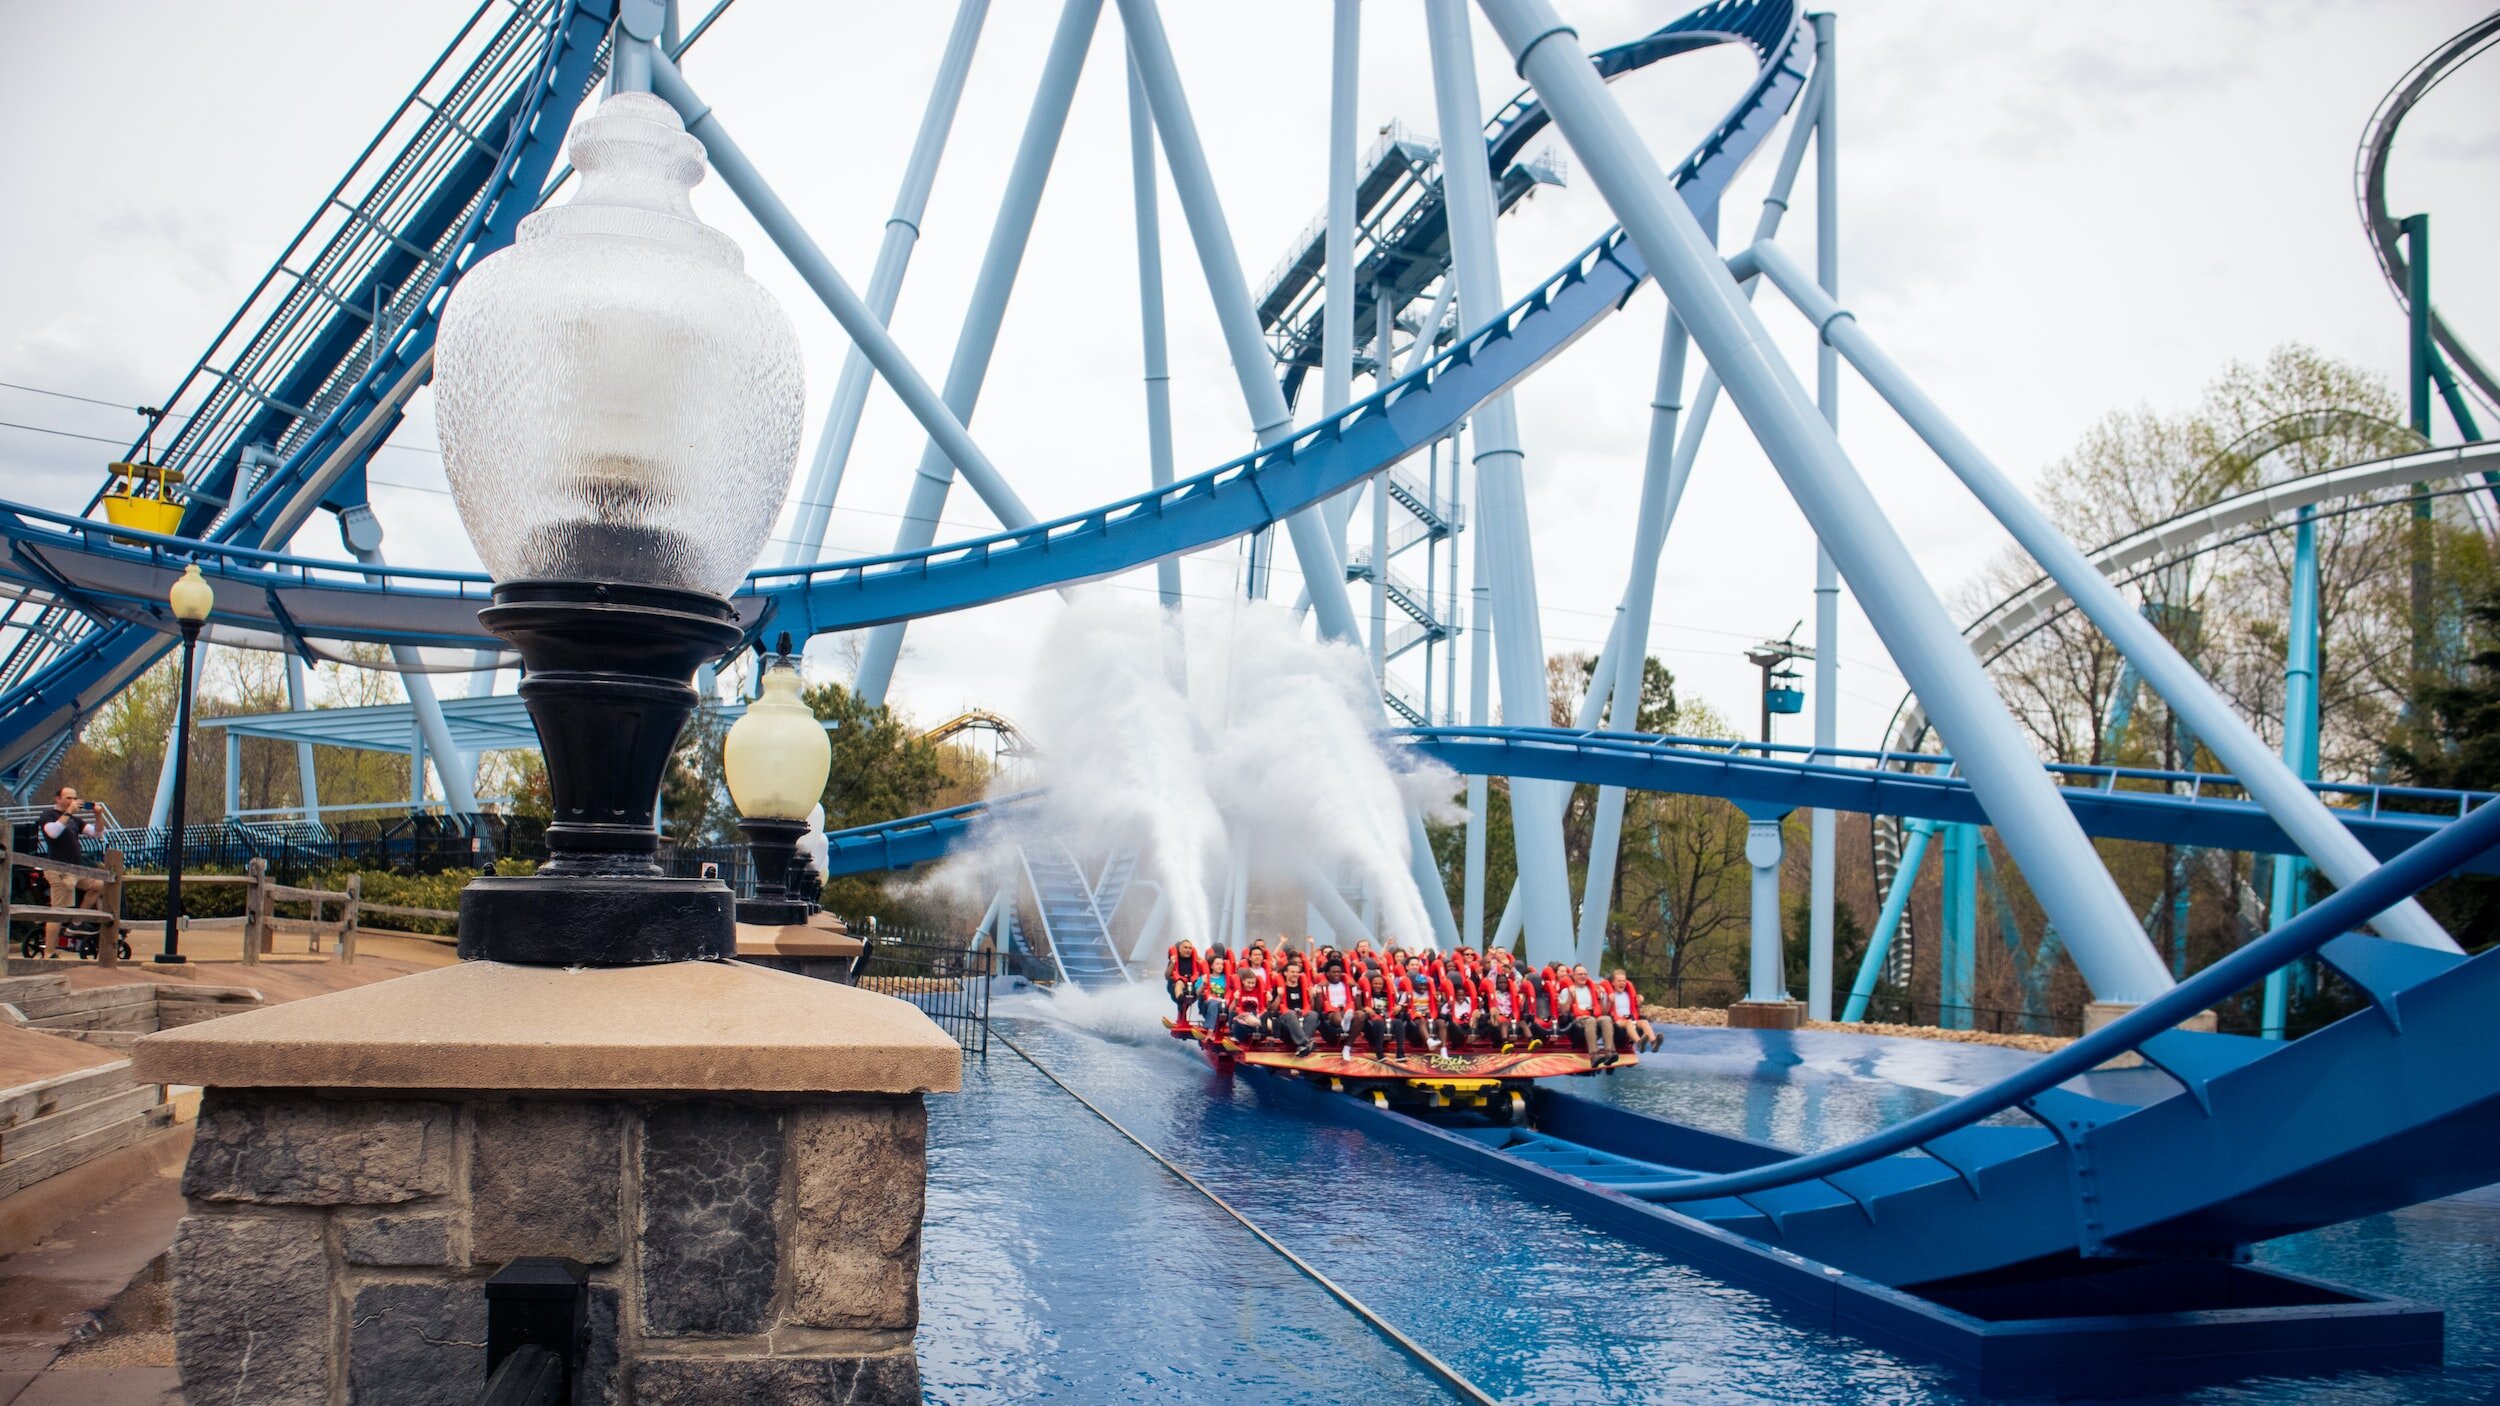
(737, 1154)
(1767, 1015)
(821, 947)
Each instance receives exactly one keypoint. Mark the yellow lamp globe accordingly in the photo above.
(191, 597)
(777, 757)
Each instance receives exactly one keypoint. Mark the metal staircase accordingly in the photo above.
(1427, 617)
(1401, 241)
(1072, 926)
(1111, 883)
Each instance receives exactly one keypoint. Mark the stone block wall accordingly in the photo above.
(741, 1248)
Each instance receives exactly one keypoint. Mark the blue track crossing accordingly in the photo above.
(2183, 808)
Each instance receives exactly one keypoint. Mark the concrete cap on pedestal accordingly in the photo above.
(683, 1026)
(820, 936)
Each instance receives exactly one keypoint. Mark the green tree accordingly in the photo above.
(882, 768)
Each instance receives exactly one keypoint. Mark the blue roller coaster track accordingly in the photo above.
(2119, 803)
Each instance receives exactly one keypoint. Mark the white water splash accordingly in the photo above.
(1274, 746)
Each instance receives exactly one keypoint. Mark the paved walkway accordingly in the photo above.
(81, 1316)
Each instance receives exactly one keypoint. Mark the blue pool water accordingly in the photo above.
(1062, 1264)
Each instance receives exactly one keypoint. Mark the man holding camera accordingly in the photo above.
(65, 832)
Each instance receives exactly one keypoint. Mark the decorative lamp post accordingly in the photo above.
(620, 412)
(777, 758)
(191, 600)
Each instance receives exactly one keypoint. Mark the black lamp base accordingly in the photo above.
(773, 843)
(773, 912)
(608, 672)
(597, 920)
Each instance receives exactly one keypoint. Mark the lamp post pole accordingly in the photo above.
(191, 600)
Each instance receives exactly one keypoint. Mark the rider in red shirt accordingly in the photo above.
(1419, 1012)
(1586, 1004)
(1292, 1014)
(1182, 967)
(1376, 1000)
(1510, 1000)
(1627, 1012)
(1335, 997)
(1248, 1011)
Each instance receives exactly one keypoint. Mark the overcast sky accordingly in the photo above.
(2047, 212)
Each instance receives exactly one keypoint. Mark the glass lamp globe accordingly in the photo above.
(617, 400)
(777, 756)
(191, 598)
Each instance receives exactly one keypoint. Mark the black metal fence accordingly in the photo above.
(418, 842)
(414, 843)
(1697, 994)
(949, 984)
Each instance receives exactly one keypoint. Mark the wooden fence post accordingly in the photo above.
(255, 909)
(347, 918)
(108, 938)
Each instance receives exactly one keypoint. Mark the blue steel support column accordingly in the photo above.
(1149, 210)
(1336, 348)
(234, 771)
(1381, 504)
(1592, 712)
(2122, 704)
(1479, 714)
(748, 184)
(1896, 902)
(1823, 842)
(2182, 864)
(361, 533)
(307, 772)
(1449, 647)
(161, 809)
(2033, 971)
(1322, 573)
(2300, 746)
(2067, 875)
(986, 311)
(1631, 643)
(1957, 953)
(885, 285)
(1680, 452)
(2269, 782)
(639, 24)
(1501, 493)
(1767, 967)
